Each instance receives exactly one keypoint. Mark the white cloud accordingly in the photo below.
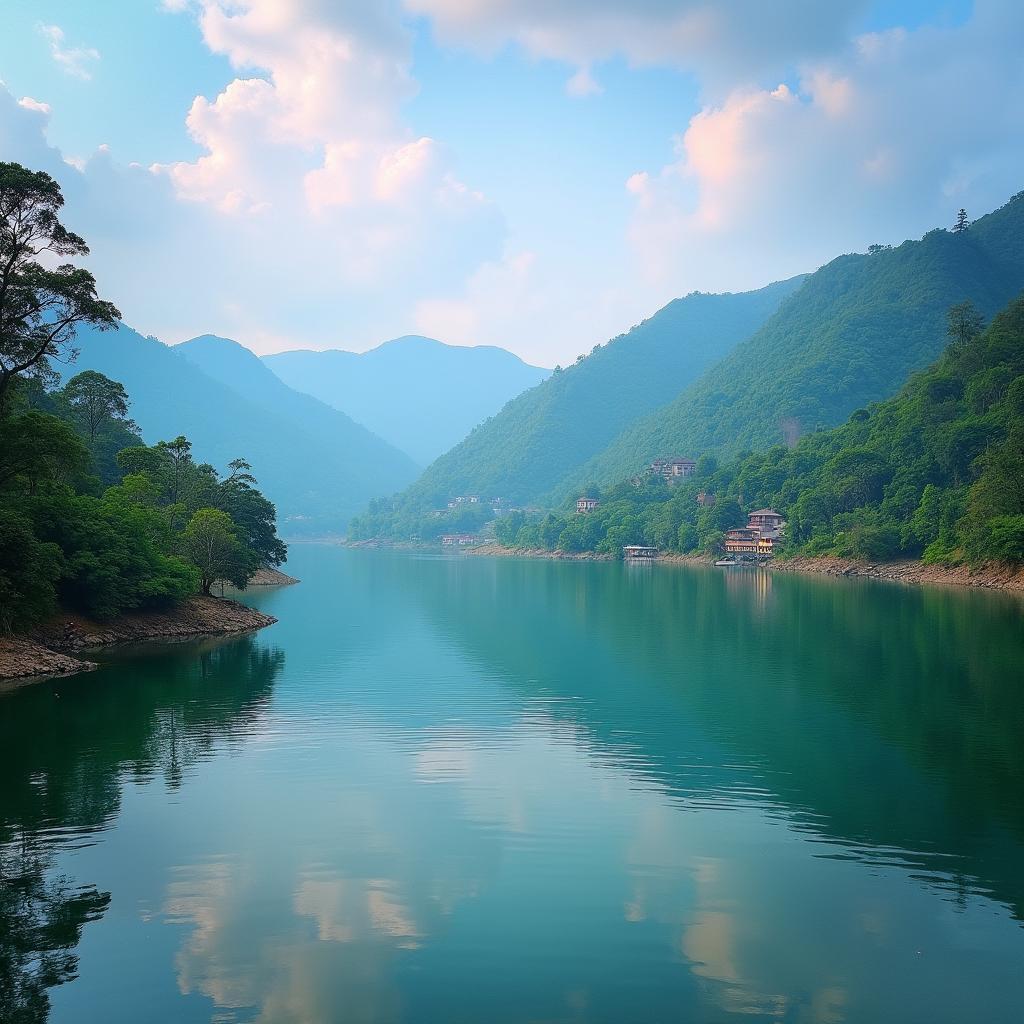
(31, 104)
(75, 60)
(583, 84)
(879, 143)
(721, 40)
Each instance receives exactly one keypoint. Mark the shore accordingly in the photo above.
(53, 648)
(497, 551)
(992, 577)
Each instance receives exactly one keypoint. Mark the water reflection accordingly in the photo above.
(67, 749)
(513, 791)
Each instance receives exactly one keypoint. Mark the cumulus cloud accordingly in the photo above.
(720, 40)
(75, 60)
(879, 143)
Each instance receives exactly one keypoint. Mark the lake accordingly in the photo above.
(457, 789)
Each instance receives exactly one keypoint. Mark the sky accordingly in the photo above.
(534, 174)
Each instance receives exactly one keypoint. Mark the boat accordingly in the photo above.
(726, 561)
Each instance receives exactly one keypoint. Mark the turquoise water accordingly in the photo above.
(460, 789)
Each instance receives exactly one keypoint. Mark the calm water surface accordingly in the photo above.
(465, 790)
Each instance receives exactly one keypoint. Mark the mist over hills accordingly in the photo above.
(537, 439)
(316, 464)
(417, 393)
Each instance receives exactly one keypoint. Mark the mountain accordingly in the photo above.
(538, 438)
(851, 335)
(419, 394)
(313, 462)
(936, 471)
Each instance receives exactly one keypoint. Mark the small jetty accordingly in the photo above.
(639, 553)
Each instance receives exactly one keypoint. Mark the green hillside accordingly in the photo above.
(538, 438)
(851, 335)
(315, 463)
(935, 472)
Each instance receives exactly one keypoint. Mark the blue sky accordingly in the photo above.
(539, 175)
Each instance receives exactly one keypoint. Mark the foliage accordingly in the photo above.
(66, 540)
(40, 306)
(937, 472)
(538, 438)
(850, 336)
(212, 546)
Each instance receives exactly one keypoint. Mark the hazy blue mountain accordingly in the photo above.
(313, 462)
(421, 395)
(851, 335)
(543, 435)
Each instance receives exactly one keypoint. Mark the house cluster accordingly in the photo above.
(459, 540)
(464, 499)
(673, 469)
(758, 538)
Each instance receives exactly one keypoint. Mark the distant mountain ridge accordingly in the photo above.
(313, 462)
(421, 395)
(545, 434)
(852, 334)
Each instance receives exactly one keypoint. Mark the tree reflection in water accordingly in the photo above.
(66, 748)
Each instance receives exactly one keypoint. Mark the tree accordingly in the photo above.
(211, 544)
(97, 402)
(962, 223)
(40, 307)
(179, 451)
(964, 324)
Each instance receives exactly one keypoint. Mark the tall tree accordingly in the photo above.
(962, 223)
(97, 402)
(40, 307)
(964, 324)
(211, 544)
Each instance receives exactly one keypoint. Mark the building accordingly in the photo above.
(584, 505)
(673, 469)
(705, 500)
(766, 546)
(639, 553)
(767, 521)
(451, 540)
(464, 499)
(742, 541)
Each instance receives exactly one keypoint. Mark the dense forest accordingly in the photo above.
(936, 472)
(528, 448)
(91, 518)
(847, 335)
(854, 332)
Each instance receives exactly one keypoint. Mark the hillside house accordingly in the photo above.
(585, 505)
(461, 540)
(742, 541)
(705, 500)
(767, 521)
(464, 499)
(673, 469)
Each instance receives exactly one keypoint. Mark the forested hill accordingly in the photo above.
(936, 472)
(316, 464)
(538, 438)
(851, 335)
(419, 394)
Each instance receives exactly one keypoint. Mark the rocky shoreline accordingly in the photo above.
(992, 577)
(497, 551)
(52, 648)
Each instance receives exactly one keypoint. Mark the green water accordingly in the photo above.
(465, 790)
